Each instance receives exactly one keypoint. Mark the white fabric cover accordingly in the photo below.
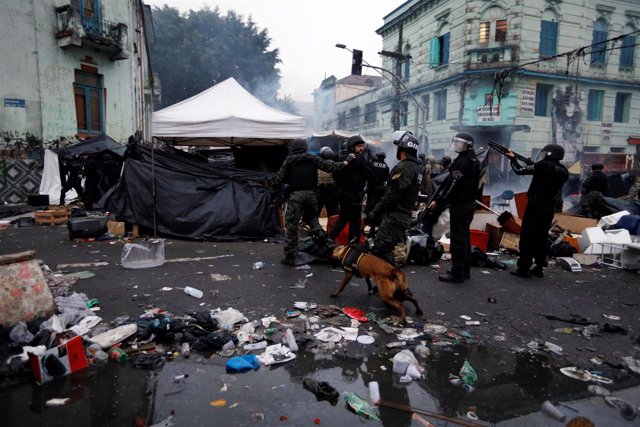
(50, 183)
(225, 115)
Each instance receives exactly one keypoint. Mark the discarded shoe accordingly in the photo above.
(289, 260)
(521, 273)
(322, 389)
(448, 277)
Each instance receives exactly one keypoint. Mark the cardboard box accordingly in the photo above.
(59, 361)
(116, 228)
(510, 241)
(575, 224)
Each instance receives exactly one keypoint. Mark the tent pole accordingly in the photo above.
(153, 187)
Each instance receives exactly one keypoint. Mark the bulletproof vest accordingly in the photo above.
(546, 185)
(302, 173)
(380, 173)
(409, 197)
(466, 187)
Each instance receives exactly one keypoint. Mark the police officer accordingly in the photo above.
(594, 189)
(549, 175)
(70, 170)
(375, 185)
(300, 172)
(327, 191)
(351, 181)
(460, 191)
(394, 212)
(431, 169)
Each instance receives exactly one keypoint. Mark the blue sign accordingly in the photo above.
(15, 103)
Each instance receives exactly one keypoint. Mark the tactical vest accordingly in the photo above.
(409, 198)
(302, 173)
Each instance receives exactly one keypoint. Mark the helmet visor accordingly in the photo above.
(458, 145)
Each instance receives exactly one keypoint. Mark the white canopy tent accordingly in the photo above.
(226, 115)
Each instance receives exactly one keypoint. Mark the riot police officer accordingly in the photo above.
(375, 185)
(395, 210)
(549, 175)
(300, 172)
(460, 191)
(327, 191)
(351, 181)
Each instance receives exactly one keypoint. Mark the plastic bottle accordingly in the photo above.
(374, 393)
(196, 293)
(185, 351)
(551, 411)
(291, 341)
(259, 265)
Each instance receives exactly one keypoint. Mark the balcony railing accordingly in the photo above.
(75, 29)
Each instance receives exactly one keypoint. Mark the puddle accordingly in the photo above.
(510, 385)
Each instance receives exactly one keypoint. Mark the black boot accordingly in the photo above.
(449, 277)
(289, 259)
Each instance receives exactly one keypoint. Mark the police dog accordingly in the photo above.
(392, 283)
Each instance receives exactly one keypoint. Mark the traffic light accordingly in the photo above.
(356, 63)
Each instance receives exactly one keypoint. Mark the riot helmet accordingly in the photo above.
(299, 146)
(380, 156)
(551, 152)
(405, 141)
(597, 167)
(327, 153)
(461, 142)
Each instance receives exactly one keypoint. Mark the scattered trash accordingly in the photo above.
(196, 293)
(58, 402)
(300, 284)
(554, 348)
(305, 306)
(465, 317)
(218, 403)
(360, 406)
(628, 411)
(434, 329)
(259, 265)
(216, 277)
(276, 354)
(256, 346)
(552, 412)
(243, 363)
(166, 289)
(355, 313)
(147, 255)
(227, 318)
(406, 365)
(472, 322)
(584, 375)
(374, 393)
(632, 364)
(330, 334)
(365, 339)
(598, 390)
(291, 340)
(293, 313)
(611, 317)
(114, 336)
(468, 374)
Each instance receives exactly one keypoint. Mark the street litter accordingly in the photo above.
(472, 322)
(58, 402)
(406, 365)
(350, 334)
(299, 284)
(114, 336)
(330, 334)
(468, 374)
(552, 412)
(218, 403)
(434, 329)
(365, 339)
(219, 277)
(306, 306)
(276, 354)
(227, 318)
(243, 363)
(554, 348)
(166, 289)
(355, 313)
(465, 317)
(360, 406)
(322, 390)
(611, 317)
(408, 334)
(584, 375)
(632, 364)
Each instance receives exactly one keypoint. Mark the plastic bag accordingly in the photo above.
(360, 406)
(468, 374)
(149, 254)
(227, 318)
(242, 363)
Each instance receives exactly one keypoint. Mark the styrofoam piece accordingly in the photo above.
(569, 264)
(619, 236)
(589, 236)
(611, 219)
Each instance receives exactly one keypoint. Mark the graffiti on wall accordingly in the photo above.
(567, 121)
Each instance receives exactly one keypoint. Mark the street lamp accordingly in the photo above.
(381, 71)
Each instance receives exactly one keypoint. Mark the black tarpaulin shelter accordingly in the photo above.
(194, 199)
(97, 144)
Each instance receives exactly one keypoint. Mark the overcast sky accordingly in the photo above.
(306, 32)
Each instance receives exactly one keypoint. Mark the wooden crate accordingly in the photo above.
(510, 241)
(51, 217)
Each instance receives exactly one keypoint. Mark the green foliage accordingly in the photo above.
(198, 49)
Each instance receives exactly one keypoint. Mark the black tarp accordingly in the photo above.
(93, 145)
(194, 199)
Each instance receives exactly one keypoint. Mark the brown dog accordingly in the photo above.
(392, 283)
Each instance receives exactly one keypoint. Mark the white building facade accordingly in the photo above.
(524, 73)
(74, 69)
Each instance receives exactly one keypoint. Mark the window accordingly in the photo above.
(493, 22)
(627, 50)
(618, 150)
(90, 11)
(425, 104)
(586, 149)
(87, 90)
(439, 48)
(600, 34)
(342, 120)
(621, 109)
(548, 33)
(407, 62)
(594, 105)
(354, 117)
(440, 104)
(543, 100)
(404, 113)
(370, 113)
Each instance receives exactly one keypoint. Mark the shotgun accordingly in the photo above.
(503, 150)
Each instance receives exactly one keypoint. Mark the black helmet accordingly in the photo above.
(327, 153)
(381, 155)
(446, 161)
(405, 141)
(299, 146)
(597, 167)
(353, 141)
(553, 152)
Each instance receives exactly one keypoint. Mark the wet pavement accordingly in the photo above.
(514, 376)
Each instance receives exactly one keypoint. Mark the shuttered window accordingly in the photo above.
(594, 105)
(599, 50)
(548, 38)
(627, 52)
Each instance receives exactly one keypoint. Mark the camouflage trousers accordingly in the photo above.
(391, 233)
(301, 206)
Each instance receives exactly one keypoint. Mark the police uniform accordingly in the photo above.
(375, 185)
(549, 175)
(459, 191)
(594, 189)
(300, 172)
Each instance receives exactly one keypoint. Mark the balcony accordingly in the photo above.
(73, 29)
(491, 57)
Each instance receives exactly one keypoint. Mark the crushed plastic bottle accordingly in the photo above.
(259, 265)
(185, 350)
(196, 293)
(291, 340)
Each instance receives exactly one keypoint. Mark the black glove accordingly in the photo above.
(350, 157)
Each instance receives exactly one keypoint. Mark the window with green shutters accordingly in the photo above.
(627, 51)
(548, 38)
(599, 50)
(594, 105)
